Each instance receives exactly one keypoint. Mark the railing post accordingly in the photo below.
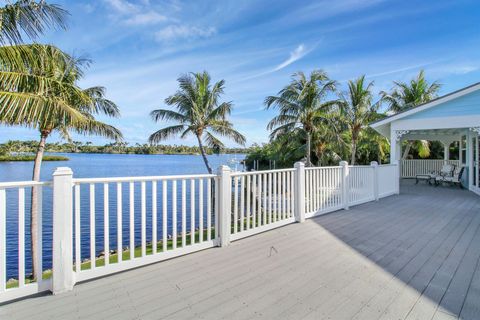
(224, 205)
(397, 176)
(374, 165)
(345, 187)
(63, 277)
(299, 192)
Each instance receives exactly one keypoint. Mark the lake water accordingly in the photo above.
(98, 165)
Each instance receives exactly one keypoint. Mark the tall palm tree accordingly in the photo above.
(302, 104)
(43, 94)
(357, 110)
(198, 112)
(30, 18)
(406, 95)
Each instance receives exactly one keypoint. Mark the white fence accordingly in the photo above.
(412, 167)
(121, 223)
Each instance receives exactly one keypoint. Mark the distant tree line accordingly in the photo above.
(31, 146)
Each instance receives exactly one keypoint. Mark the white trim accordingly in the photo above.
(437, 123)
(444, 99)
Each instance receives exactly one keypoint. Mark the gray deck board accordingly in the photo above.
(412, 256)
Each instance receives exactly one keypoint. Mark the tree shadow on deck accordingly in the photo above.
(428, 237)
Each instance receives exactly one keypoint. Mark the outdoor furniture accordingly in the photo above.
(428, 177)
(455, 179)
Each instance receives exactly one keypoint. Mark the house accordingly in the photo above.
(454, 117)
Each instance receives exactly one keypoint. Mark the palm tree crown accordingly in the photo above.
(356, 110)
(406, 95)
(29, 17)
(198, 112)
(302, 105)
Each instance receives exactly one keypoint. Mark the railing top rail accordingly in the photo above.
(319, 168)
(20, 184)
(427, 160)
(237, 174)
(388, 165)
(363, 166)
(142, 178)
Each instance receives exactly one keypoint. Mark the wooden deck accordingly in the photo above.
(413, 256)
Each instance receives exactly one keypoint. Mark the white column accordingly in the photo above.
(374, 165)
(63, 277)
(300, 192)
(224, 205)
(345, 186)
(395, 147)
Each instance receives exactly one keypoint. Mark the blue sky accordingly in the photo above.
(139, 49)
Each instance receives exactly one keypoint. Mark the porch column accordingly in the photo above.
(395, 147)
(446, 151)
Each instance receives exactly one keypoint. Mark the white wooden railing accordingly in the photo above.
(262, 200)
(412, 167)
(121, 223)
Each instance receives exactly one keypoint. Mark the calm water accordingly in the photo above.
(101, 165)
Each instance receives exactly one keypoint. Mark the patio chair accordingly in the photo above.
(454, 179)
(432, 176)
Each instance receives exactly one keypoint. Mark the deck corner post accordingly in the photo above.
(224, 205)
(299, 195)
(345, 187)
(397, 176)
(374, 165)
(62, 266)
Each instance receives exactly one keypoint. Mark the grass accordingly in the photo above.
(31, 158)
(100, 261)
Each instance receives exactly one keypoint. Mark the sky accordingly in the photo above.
(140, 47)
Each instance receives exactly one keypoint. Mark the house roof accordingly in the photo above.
(448, 97)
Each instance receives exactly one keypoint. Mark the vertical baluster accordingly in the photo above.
(264, 197)
(164, 215)
(154, 217)
(216, 204)
(21, 237)
(235, 204)
(192, 211)
(106, 226)
(284, 203)
(77, 231)
(275, 197)
(209, 209)
(119, 223)
(174, 214)
(78, 254)
(200, 210)
(269, 189)
(287, 195)
(39, 272)
(3, 239)
(143, 219)
(254, 199)
(92, 227)
(247, 212)
(132, 219)
(292, 193)
(259, 200)
(242, 202)
(184, 212)
(314, 189)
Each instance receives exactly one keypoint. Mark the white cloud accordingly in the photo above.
(295, 55)
(122, 6)
(150, 17)
(134, 14)
(172, 32)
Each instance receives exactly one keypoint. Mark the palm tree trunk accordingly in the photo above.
(407, 149)
(204, 156)
(309, 150)
(354, 152)
(34, 209)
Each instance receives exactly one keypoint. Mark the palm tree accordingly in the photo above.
(408, 95)
(30, 18)
(356, 111)
(43, 94)
(302, 105)
(198, 112)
